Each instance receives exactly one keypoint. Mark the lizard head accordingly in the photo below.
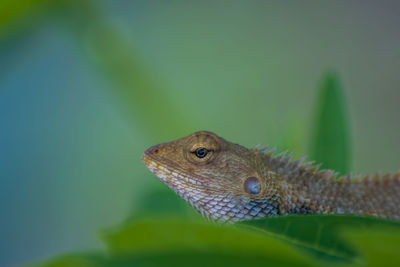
(222, 180)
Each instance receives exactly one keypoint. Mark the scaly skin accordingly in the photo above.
(227, 182)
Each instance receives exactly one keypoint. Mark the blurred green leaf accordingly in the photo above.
(320, 232)
(174, 242)
(216, 258)
(77, 260)
(177, 235)
(377, 246)
(12, 11)
(143, 94)
(272, 241)
(330, 141)
(182, 258)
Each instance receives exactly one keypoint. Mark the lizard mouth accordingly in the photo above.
(168, 171)
(172, 175)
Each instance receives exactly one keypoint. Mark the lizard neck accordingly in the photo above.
(322, 193)
(304, 189)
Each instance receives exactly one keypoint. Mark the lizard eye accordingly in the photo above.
(201, 149)
(201, 152)
(252, 186)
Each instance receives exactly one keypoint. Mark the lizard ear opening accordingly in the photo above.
(252, 185)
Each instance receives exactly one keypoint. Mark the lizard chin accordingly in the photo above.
(187, 188)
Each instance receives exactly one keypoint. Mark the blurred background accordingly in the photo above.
(87, 86)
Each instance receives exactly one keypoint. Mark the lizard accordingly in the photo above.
(227, 182)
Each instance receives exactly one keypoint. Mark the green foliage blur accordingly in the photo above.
(162, 230)
(330, 139)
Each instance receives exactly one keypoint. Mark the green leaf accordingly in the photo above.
(180, 237)
(280, 241)
(377, 246)
(183, 258)
(320, 232)
(174, 242)
(77, 260)
(330, 143)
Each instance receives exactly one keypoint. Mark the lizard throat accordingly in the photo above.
(187, 188)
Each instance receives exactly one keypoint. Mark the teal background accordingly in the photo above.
(74, 123)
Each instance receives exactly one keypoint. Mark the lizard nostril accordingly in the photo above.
(156, 151)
